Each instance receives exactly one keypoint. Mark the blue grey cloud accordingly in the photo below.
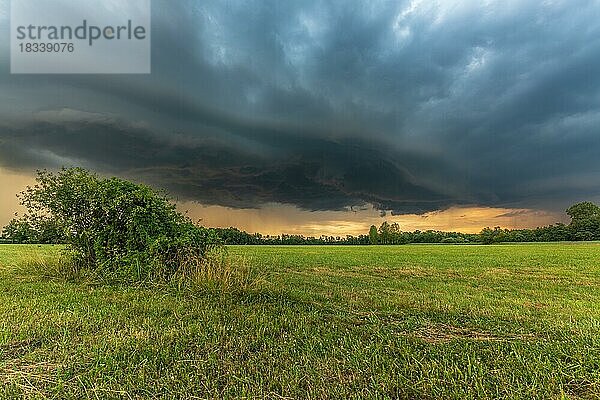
(408, 105)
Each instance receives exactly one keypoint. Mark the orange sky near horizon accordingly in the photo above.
(276, 219)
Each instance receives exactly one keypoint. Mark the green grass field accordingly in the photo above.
(415, 322)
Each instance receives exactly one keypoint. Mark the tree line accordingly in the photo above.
(584, 226)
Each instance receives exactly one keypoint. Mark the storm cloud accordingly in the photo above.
(410, 106)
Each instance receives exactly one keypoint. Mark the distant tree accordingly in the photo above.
(18, 231)
(395, 234)
(25, 230)
(489, 236)
(384, 233)
(581, 212)
(585, 221)
(373, 235)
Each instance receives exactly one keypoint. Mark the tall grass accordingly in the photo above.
(217, 271)
(58, 266)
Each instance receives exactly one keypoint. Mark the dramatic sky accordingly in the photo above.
(309, 116)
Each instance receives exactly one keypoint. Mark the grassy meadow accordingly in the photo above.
(416, 322)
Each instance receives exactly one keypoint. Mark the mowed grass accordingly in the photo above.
(415, 322)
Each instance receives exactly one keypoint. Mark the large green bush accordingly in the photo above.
(116, 227)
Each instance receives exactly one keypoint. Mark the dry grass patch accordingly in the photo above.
(29, 378)
(443, 333)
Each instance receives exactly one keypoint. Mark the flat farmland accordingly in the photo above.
(417, 321)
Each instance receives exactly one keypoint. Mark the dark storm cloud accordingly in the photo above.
(314, 173)
(410, 106)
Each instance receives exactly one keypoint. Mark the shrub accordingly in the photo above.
(115, 227)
